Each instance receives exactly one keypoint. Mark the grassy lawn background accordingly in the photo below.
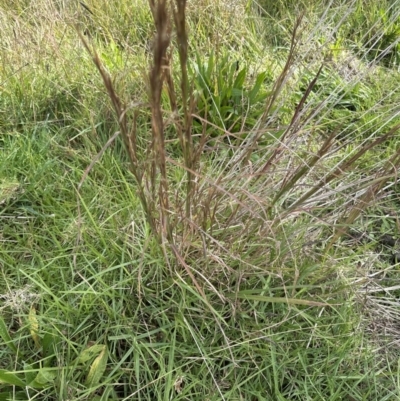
(275, 292)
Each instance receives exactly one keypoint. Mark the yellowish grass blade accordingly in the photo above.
(97, 368)
(291, 301)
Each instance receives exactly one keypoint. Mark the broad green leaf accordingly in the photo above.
(48, 342)
(90, 353)
(225, 94)
(43, 379)
(237, 92)
(46, 376)
(232, 72)
(97, 368)
(13, 395)
(10, 378)
(239, 81)
(224, 111)
(254, 92)
(37, 386)
(29, 373)
(210, 67)
(6, 336)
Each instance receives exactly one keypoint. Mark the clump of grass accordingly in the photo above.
(166, 218)
(209, 262)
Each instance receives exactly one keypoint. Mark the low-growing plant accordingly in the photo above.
(223, 94)
(381, 42)
(39, 370)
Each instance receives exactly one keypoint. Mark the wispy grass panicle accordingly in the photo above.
(157, 153)
(128, 133)
(179, 12)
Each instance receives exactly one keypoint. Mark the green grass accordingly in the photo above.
(262, 299)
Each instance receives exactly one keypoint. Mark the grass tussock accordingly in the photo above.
(195, 205)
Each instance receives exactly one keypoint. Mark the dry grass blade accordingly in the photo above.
(279, 84)
(389, 171)
(301, 171)
(276, 91)
(344, 166)
(294, 128)
(290, 301)
(78, 201)
(129, 136)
